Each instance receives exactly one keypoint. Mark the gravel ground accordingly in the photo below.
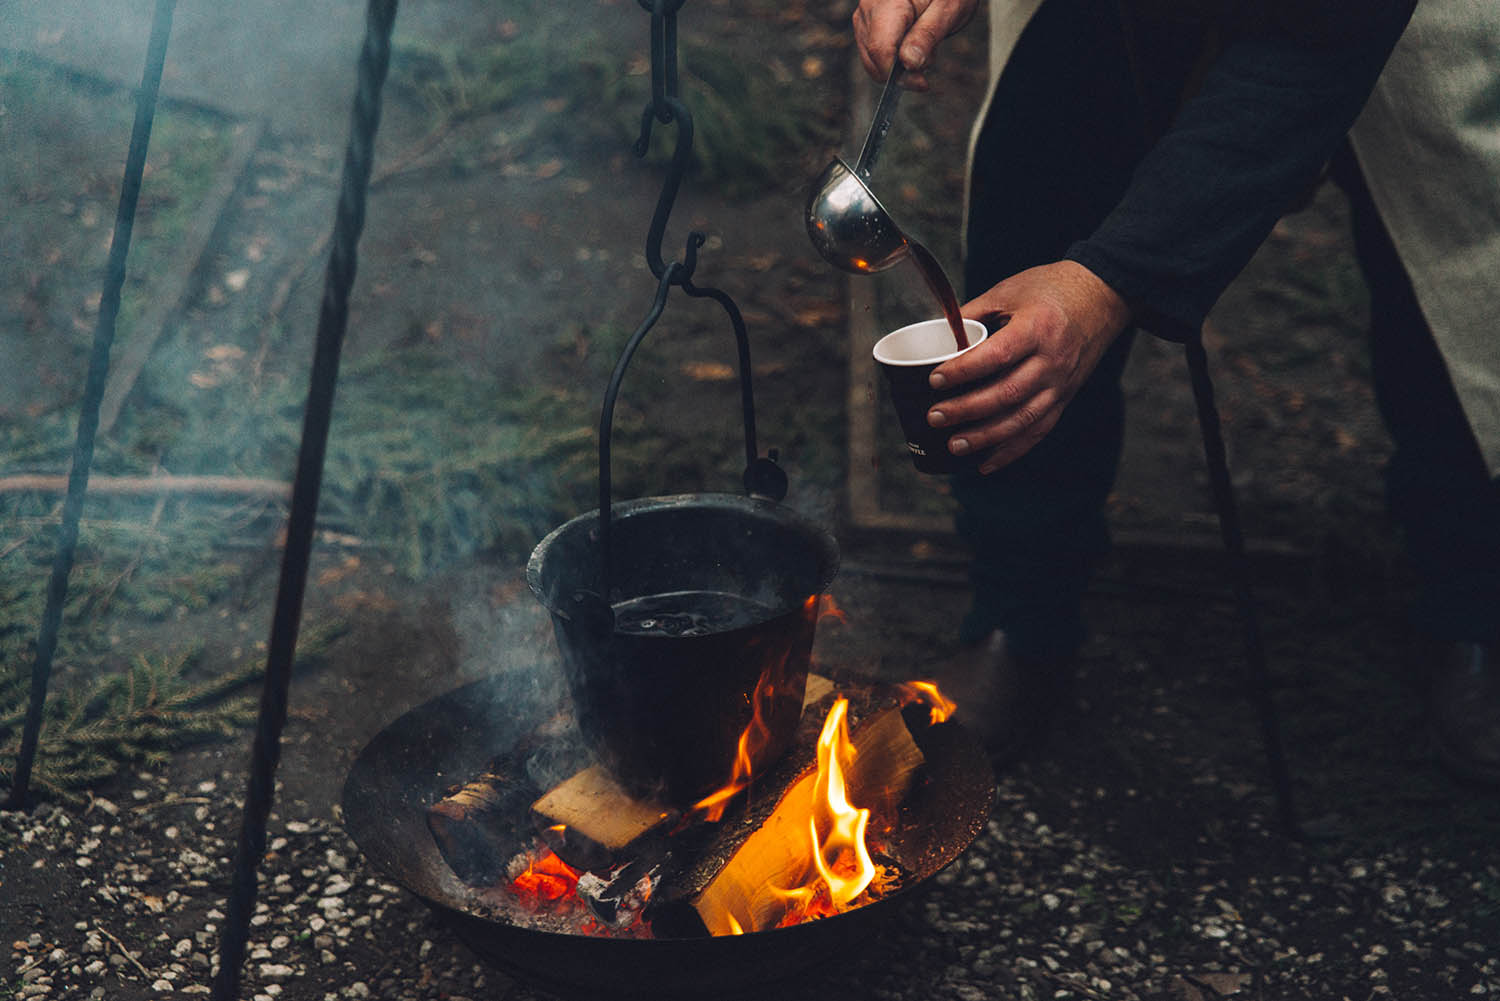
(1033, 910)
(1136, 858)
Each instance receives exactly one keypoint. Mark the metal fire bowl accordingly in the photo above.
(410, 764)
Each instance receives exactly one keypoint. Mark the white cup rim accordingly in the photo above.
(975, 329)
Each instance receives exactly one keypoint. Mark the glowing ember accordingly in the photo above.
(927, 691)
(545, 879)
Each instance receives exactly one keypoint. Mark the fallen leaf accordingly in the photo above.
(377, 601)
(708, 371)
(204, 380)
(819, 314)
(224, 353)
(551, 168)
(237, 279)
(762, 262)
(335, 574)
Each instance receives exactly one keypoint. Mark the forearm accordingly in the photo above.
(1269, 113)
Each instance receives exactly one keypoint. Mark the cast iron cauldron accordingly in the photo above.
(664, 706)
(685, 622)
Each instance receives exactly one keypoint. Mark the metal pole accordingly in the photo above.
(349, 220)
(93, 394)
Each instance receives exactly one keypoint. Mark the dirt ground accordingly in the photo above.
(1146, 827)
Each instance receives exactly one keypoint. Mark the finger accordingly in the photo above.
(1001, 350)
(997, 397)
(1006, 439)
(940, 19)
(886, 24)
(861, 23)
(1015, 448)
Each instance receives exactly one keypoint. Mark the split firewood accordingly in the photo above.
(592, 823)
(474, 824)
(732, 884)
(478, 826)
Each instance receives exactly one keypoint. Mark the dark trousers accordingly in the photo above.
(1064, 131)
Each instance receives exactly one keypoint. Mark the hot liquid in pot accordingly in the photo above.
(689, 613)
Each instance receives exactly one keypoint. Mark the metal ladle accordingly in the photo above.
(846, 222)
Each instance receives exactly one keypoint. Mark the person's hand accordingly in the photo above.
(912, 27)
(1062, 317)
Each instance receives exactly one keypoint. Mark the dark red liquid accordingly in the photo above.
(932, 274)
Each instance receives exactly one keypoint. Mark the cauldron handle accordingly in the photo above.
(763, 476)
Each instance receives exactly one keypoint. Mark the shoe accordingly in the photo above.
(1008, 701)
(1463, 711)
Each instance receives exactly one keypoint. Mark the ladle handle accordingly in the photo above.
(880, 127)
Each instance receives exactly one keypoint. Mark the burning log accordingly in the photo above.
(757, 864)
(592, 823)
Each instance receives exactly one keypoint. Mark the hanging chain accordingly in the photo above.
(667, 108)
(763, 477)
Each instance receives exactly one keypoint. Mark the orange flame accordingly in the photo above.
(845, 822)
(754, 737)
(927, 691)
(828, 608)
(841, 866)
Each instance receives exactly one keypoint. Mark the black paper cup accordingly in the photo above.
(907, 357)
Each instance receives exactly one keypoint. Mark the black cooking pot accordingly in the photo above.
(714, 603)
(686, 622)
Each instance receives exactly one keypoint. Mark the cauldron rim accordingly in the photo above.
(828, 549)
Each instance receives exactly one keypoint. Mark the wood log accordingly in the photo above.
(592, 823)
(730, 885)
(475, 828)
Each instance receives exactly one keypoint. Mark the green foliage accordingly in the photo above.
(134, 716)
(433, 463)
(747, 125)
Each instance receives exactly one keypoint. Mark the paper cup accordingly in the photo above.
(907, 357)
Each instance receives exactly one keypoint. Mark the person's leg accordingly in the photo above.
(1439, 494)
(1054, 156)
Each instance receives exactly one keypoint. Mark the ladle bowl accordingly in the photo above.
(849, 227)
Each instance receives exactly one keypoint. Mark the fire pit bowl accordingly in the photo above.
(410, 764)
(712, 607)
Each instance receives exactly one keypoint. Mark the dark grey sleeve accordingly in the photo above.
(1271, 110)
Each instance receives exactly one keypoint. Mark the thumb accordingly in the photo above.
(940, 19)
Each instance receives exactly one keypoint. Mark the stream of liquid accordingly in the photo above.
(932, 274)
